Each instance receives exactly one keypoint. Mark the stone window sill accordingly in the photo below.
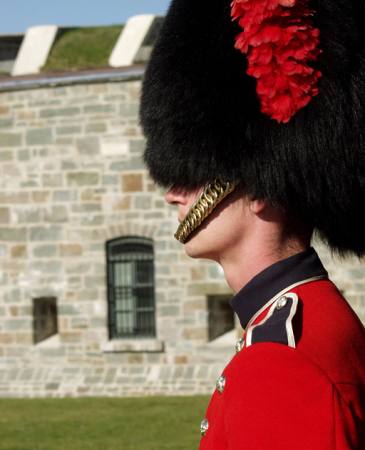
(133, 346)
(228, 339)
(51, 342)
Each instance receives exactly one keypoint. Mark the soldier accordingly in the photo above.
(254, 117)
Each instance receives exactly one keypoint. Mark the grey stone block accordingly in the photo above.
(159, 204)
(117, 166)
(4, 215)
(60, 91)
(88, 146)
(53, 180)
(28, 215)
(59, 112)
(80, 323)
(3, 250)
(49, 267)
(159, 216)
(7, 122)
(99, 322)
(143, 202)
(110, 180)
(83, 178)
(135, 164)
(45, 102)
(26, 374)
(164, 270)
(93, 380)
(69, 129)
(154, 358)
(6, 155)
(10, 139)
(56, 214)
(71, 370)
(178, 372)
(115, 98)
(52, 386)
(12, 295)
(63, 140)
(13, 234)
(165, 373)
(86, 208)
(89, 295)
(23, 155)
(99, 109)
(39, 136)
(13, 373)
(46, 233)
(95, 281)
(44, 251)
(137, 146)
(69, 165)
(189, 373)
(169, 311)
(17, 324)
(63, 196)
(96, 127)
(68, 309)
(129, 109)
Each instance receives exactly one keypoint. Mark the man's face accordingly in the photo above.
(225, 227)
(183, 199)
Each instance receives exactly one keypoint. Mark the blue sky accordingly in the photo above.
(17, 15)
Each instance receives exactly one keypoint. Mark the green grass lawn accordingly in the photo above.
(151, 423)
(82, 48)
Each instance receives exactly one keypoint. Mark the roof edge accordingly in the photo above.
(25, 82)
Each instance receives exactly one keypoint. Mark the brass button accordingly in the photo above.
(240, 344)
(221, 383)
(281, 303)
(204, 427)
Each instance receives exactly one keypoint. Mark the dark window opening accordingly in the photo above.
(220, 316)
(44, 318)
(131, 288)
(9, 47)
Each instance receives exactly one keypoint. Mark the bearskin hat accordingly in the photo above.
(203, 118)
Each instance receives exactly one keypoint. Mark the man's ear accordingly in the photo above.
(257, 206)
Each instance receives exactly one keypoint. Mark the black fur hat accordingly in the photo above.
(202, 119)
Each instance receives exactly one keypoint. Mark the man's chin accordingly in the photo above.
(192, 251)
(195, 247)
(197, 244)
(191, 246)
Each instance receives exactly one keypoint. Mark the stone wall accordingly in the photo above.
(72, 178)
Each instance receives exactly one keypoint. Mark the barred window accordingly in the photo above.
(131, 289)
(44, 318)
(220, 316)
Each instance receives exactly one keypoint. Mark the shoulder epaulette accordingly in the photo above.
(277, 324)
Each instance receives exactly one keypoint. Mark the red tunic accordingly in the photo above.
(298, 383)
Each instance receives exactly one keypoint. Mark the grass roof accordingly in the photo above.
(82, 48)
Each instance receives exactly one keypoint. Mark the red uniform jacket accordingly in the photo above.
(297, 381)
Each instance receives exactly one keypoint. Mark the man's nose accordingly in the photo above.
(175, 196)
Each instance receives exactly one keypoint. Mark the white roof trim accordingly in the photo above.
(34, 50)
(131, 39)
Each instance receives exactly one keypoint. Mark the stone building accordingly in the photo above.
(97, 298)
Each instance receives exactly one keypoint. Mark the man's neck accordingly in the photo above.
(241, 265)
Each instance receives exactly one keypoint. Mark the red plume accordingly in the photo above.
(279, 40)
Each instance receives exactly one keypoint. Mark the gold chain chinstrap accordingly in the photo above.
(212, 195)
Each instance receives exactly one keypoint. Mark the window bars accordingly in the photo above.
(44, 318)
(131, 290)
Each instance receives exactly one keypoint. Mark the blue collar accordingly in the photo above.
(272, 280)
